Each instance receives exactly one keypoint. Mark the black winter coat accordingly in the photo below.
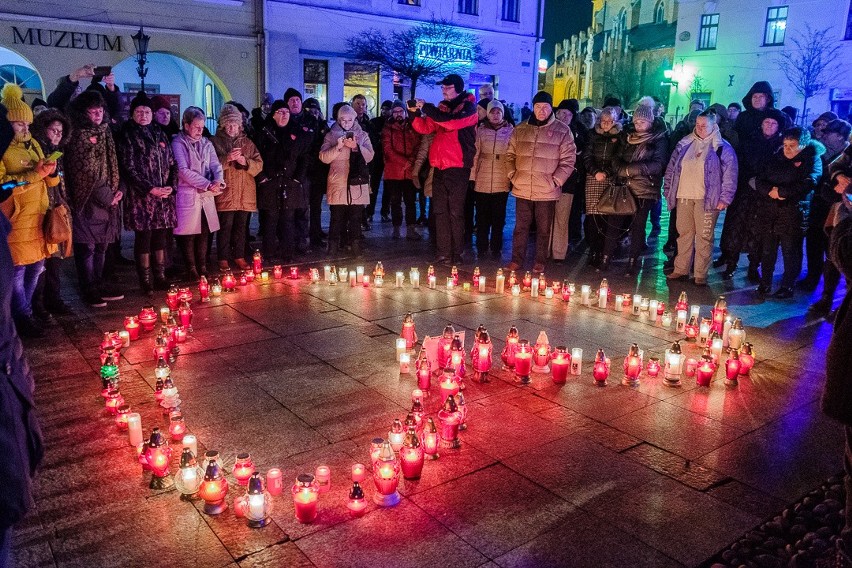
(795, 179)
(20, 434)
(641, 166)
(145, 161)
(837, 396)
(576, 182)
(600, 152)
(285, 153)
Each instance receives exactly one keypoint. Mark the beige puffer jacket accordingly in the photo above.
(540, 159)
(490, 170)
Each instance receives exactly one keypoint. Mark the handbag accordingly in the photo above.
(617, 199)
(57, 225)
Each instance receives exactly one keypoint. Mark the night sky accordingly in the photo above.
(562, 19)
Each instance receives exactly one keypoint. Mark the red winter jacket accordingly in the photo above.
(399, 144)
(453, 123)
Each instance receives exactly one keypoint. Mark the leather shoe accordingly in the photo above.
(783, 293)
(677, 276)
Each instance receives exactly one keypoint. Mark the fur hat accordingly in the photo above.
(826, 116)
(496, 104)
(12, 97)
(230, 113)
(645, 109)
(160, 102)
(543, 97)
(44, 119)
(139, 100)
(570, 104)
(290, 93)
(838, 127)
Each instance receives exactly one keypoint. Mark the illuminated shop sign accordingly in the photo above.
(433, 51)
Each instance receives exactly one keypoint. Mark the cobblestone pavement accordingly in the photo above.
(302, 374)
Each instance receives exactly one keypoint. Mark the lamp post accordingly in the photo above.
(140, 43)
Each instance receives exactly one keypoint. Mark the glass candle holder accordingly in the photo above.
(305, 498)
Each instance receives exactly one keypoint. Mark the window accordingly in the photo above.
(636, 13)
(468, 7)
(316, 82)
(776, 26)
(409, 2)
(709, 31)
(848, 34)
(659, 13)
(511, 10)
(361, 79)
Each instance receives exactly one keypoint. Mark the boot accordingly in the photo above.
(632, 267)
(753, 273)
(159, 270)
(146, 277)
(40, 312)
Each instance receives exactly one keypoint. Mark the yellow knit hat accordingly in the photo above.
(12, 98)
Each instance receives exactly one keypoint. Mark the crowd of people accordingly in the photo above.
(446, 168)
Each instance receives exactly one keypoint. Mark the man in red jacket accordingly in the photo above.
(453, 123)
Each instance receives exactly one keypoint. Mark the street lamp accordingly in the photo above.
(140, 42)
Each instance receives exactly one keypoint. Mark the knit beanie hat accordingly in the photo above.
(483, 103)
(290, 93)
(311, 102)
(826, 116)
(645, 109)
(12, 97)
(543, 97)
(139, 100)
(496, 104)
(397, 104)
(230, 113)
(276, 105)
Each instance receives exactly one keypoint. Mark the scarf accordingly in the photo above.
(635, 137)
(536, 122)
(715, 137)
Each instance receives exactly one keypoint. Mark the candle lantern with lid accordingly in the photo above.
(259, 503)
(430, 439)
(523, 361)
(511, 348)
(480, 355)
(412, 455)
(632, 366)
(189, 476)
(541, 353)
(445, 344)
(600, 369)
(158, 455)
(673, 365)
(746, 359)
(450, 419)
(409, 331)
(386, 477)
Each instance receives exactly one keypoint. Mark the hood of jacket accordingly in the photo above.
(45, 119)
(453, 104)
(759, 87)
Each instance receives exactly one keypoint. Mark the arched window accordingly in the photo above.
(659, 12)
(621, 23)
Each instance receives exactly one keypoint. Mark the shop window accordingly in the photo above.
(511, 10)
(709, 31)
(361, 79)
(776, 26)
(469, 7)
(316, 82)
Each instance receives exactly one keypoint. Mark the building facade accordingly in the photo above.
(625, 52)
(209, 51)
(724, 46)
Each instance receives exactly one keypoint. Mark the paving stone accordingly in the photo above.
(579, 470)
(747, 499)
(503, 430)
(515, 511)
(275, 556)
(687, 472)
(657, 512)
(586, 541)
(384, 538)
(786, 458)
(680, 431)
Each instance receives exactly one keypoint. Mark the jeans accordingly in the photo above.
(89, 260)
(525, 211)
(791, 252)
(559, 233)
(449, 189)
(293, 225)
(52, 281)
(490, 220)
(696, 229)
(232, 231)
(399, 191)
(24, 285)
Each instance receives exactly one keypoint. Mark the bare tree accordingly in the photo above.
(429, 50)
(621, 78)
(811, 63)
